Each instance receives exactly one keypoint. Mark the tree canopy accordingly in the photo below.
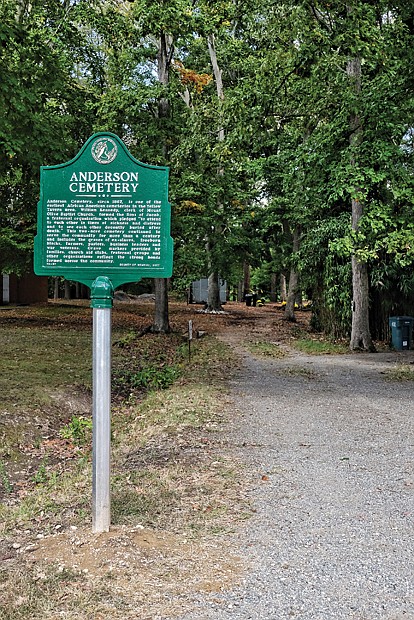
(288, 127)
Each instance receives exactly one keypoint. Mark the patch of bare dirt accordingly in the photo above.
(133, 572)
(40, 444)
(131, 550)
(266, 323)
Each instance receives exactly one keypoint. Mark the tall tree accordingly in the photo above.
(44, 110)
(213, 303)
(360, 334)
(212, 173)
(293, 278)
(164, 57)
(361, 66)
(140, 98)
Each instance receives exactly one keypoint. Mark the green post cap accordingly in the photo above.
(102, 293)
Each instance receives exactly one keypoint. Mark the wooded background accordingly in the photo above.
(288, 128)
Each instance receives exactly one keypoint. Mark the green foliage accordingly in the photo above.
(326, 276)
(311, 167)
(319, 347)
(279, 151)
(78, 430)
(149, 378)
(42, 475)
(126, 339)
(45, 110)
(145, 364)
(4, 479)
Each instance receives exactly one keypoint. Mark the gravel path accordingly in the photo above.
(329, 444)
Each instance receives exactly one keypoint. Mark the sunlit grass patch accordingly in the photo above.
(183, 493)
(262, 348)
(36, 360)
(312, 346)
(211, 360)
(182, 406)
(298, 371)
(402, 372)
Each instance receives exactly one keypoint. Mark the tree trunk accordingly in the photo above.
(273, 286)
(246, 279)
(161, 312)
(213, 294)
(360, 333)
(217, 78)
(161, 323)
(165, 51)
(293, 280)
(213, 303)
(68, 295)
(290, 303)
(56, 289)
(283, 287)
(240, 290)
(22, 7)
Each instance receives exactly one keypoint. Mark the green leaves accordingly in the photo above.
(44, 111)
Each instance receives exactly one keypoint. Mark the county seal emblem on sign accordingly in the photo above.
(104, 150)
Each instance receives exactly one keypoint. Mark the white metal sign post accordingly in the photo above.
(102, 300)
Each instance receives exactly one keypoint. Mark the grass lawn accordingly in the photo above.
(36, 360)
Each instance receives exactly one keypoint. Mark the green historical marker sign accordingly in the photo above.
(103, 219)
(104, 213)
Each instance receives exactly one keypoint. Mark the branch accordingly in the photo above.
(320, 17)
(186, 97)
(216, 68)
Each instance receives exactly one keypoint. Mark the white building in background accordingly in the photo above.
(5, 289)
(25, 289)
(199, 291)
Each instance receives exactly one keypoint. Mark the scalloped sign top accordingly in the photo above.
(104, 213)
